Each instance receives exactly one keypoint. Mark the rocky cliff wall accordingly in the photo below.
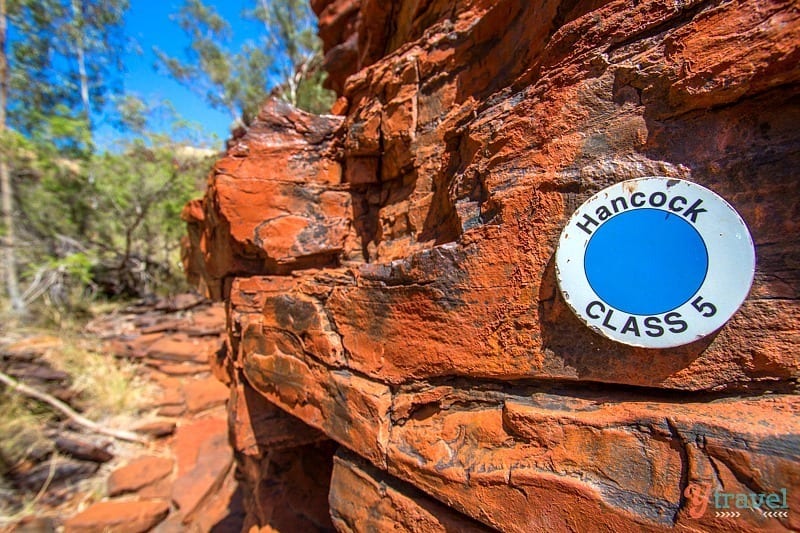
(397, 341)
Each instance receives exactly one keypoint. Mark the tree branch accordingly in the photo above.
(71, 413)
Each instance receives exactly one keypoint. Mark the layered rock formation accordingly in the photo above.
(391, 289)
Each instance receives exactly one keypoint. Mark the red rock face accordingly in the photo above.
(276, 203)
(390, 275)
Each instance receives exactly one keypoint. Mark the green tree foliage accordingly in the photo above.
(285, 61)
(65, 59)
(86, 222)
(109, 223)
(291, 38)
(56, 57)
(79, 221)
(141, 187)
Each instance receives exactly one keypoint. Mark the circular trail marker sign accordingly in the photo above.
(655, 262)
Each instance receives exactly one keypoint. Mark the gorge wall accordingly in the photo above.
(399, 354)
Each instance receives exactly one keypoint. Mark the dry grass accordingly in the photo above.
(110, 391)
(107, 387)
(22, 435)
(21, 429)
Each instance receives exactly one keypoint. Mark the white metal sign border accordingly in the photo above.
(731, 263)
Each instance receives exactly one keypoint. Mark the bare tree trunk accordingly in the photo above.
(6, 194)
(84, 84)
(291, 89)
(77, 20)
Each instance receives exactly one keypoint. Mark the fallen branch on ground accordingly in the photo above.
(70, 412)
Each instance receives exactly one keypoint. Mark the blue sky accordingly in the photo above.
(148, 24)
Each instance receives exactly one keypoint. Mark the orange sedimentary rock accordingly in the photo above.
(390, 278)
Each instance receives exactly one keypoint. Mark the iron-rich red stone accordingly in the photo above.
(156, 428)
(363, 498)
(181, 348)
(134, 516)
(297, 213)
(202, 394)
(189, 439)
(207, 475)
(139, 474)
(258, 426)
(390, 275)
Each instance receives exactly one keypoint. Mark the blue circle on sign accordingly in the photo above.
(646, 261)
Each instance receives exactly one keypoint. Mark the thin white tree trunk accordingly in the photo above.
(77, 20)
(6, 193)
(84, 83)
